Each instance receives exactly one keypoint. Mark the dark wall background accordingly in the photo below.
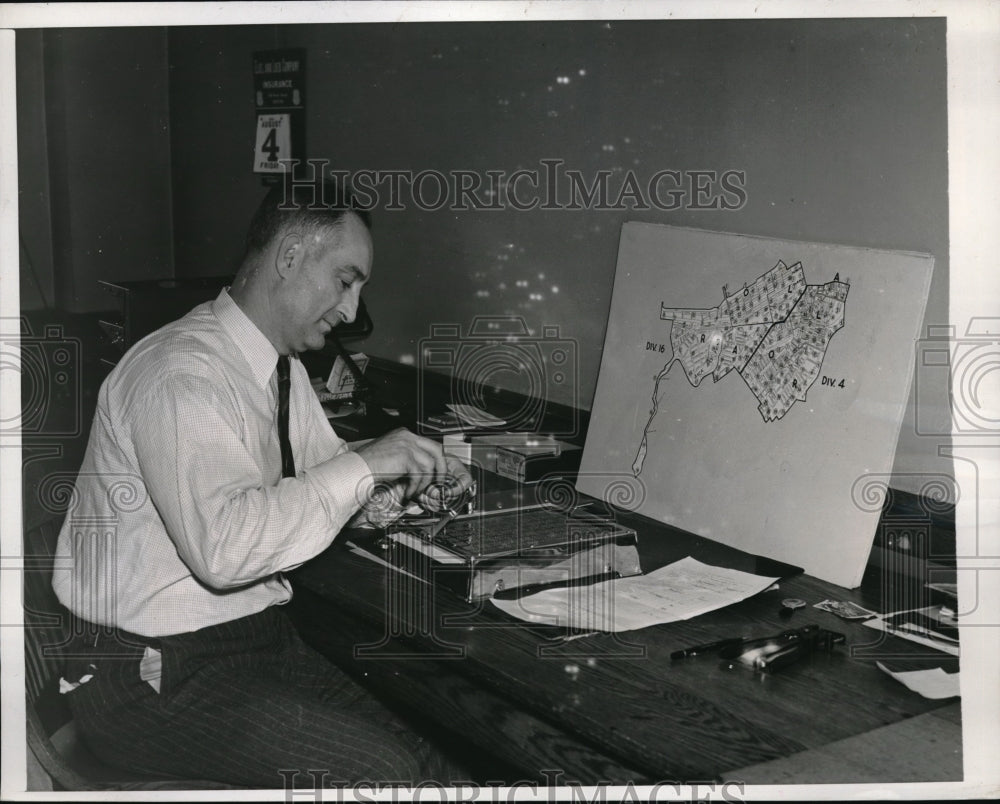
(35, 219)
(106, 158)
(839, 125)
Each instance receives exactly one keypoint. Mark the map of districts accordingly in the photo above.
(773, 333)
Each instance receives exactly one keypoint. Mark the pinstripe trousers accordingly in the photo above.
(240, 703)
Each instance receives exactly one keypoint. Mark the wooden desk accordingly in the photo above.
(615, 707)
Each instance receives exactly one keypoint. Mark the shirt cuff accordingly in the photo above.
(344, 484)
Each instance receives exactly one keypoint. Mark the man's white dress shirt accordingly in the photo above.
(180, 518)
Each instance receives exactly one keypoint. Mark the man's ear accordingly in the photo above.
(289, 255)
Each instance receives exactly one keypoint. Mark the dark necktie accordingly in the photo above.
(284, 387)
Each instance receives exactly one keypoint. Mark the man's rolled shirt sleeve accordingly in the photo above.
(231, 525)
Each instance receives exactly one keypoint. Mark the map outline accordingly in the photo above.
(754, 301)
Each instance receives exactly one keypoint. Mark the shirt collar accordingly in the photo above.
(251, 342)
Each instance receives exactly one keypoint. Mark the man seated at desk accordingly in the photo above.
(212, 469)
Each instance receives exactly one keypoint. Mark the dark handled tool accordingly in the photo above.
(775, 642)
(773, 653)
(707, 647)
(769, 653)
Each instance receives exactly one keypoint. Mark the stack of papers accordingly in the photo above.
(677, 591)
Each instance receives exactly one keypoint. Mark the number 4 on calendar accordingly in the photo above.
(274, 143)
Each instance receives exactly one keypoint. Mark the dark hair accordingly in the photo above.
(307, 205)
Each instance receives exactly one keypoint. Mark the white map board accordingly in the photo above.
(749, 385)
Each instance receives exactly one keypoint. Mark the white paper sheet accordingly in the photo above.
(677, 591)
(935, 683)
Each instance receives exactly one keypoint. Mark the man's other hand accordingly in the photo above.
(419, 462)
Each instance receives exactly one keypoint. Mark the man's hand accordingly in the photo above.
(417, 462)
(441, 496)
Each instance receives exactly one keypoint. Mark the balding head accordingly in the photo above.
(304, 207)
(308, 254)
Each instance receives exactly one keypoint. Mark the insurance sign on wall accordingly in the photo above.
(279, 88)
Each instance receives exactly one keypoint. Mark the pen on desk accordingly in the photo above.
(694, 650)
